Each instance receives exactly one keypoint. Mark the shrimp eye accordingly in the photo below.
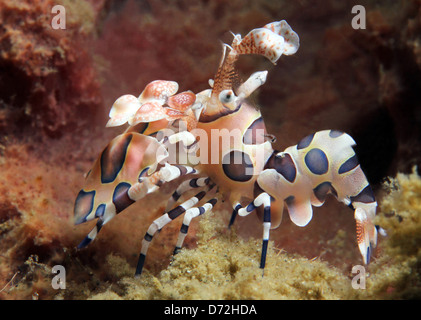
(227, 96)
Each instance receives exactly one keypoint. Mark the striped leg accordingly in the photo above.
(109, 212)
(184, 187)
(92, 234)
(234, 214)
(160, 222)
(189, 215)
(261, 199)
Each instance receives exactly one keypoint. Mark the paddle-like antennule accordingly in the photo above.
(270, 41)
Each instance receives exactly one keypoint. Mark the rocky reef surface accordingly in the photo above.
(56, 88)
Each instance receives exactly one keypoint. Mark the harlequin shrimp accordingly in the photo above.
(231, 155)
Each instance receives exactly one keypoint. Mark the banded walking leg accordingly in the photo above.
(261, 199)
(188, 216)
(184, 187)
(109, 211)
(237, 206)
(92, 234)
(160, 222)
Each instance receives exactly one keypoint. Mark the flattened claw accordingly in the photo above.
(149, 106)
(156, 102)
(182, 101)
(122, 110)
(148, 112)
(173, 114)
(159, 90)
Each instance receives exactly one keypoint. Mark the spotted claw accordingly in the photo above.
(158, 90)
(157, 101)
(182, 101)
(122, 110)
(148, 112)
